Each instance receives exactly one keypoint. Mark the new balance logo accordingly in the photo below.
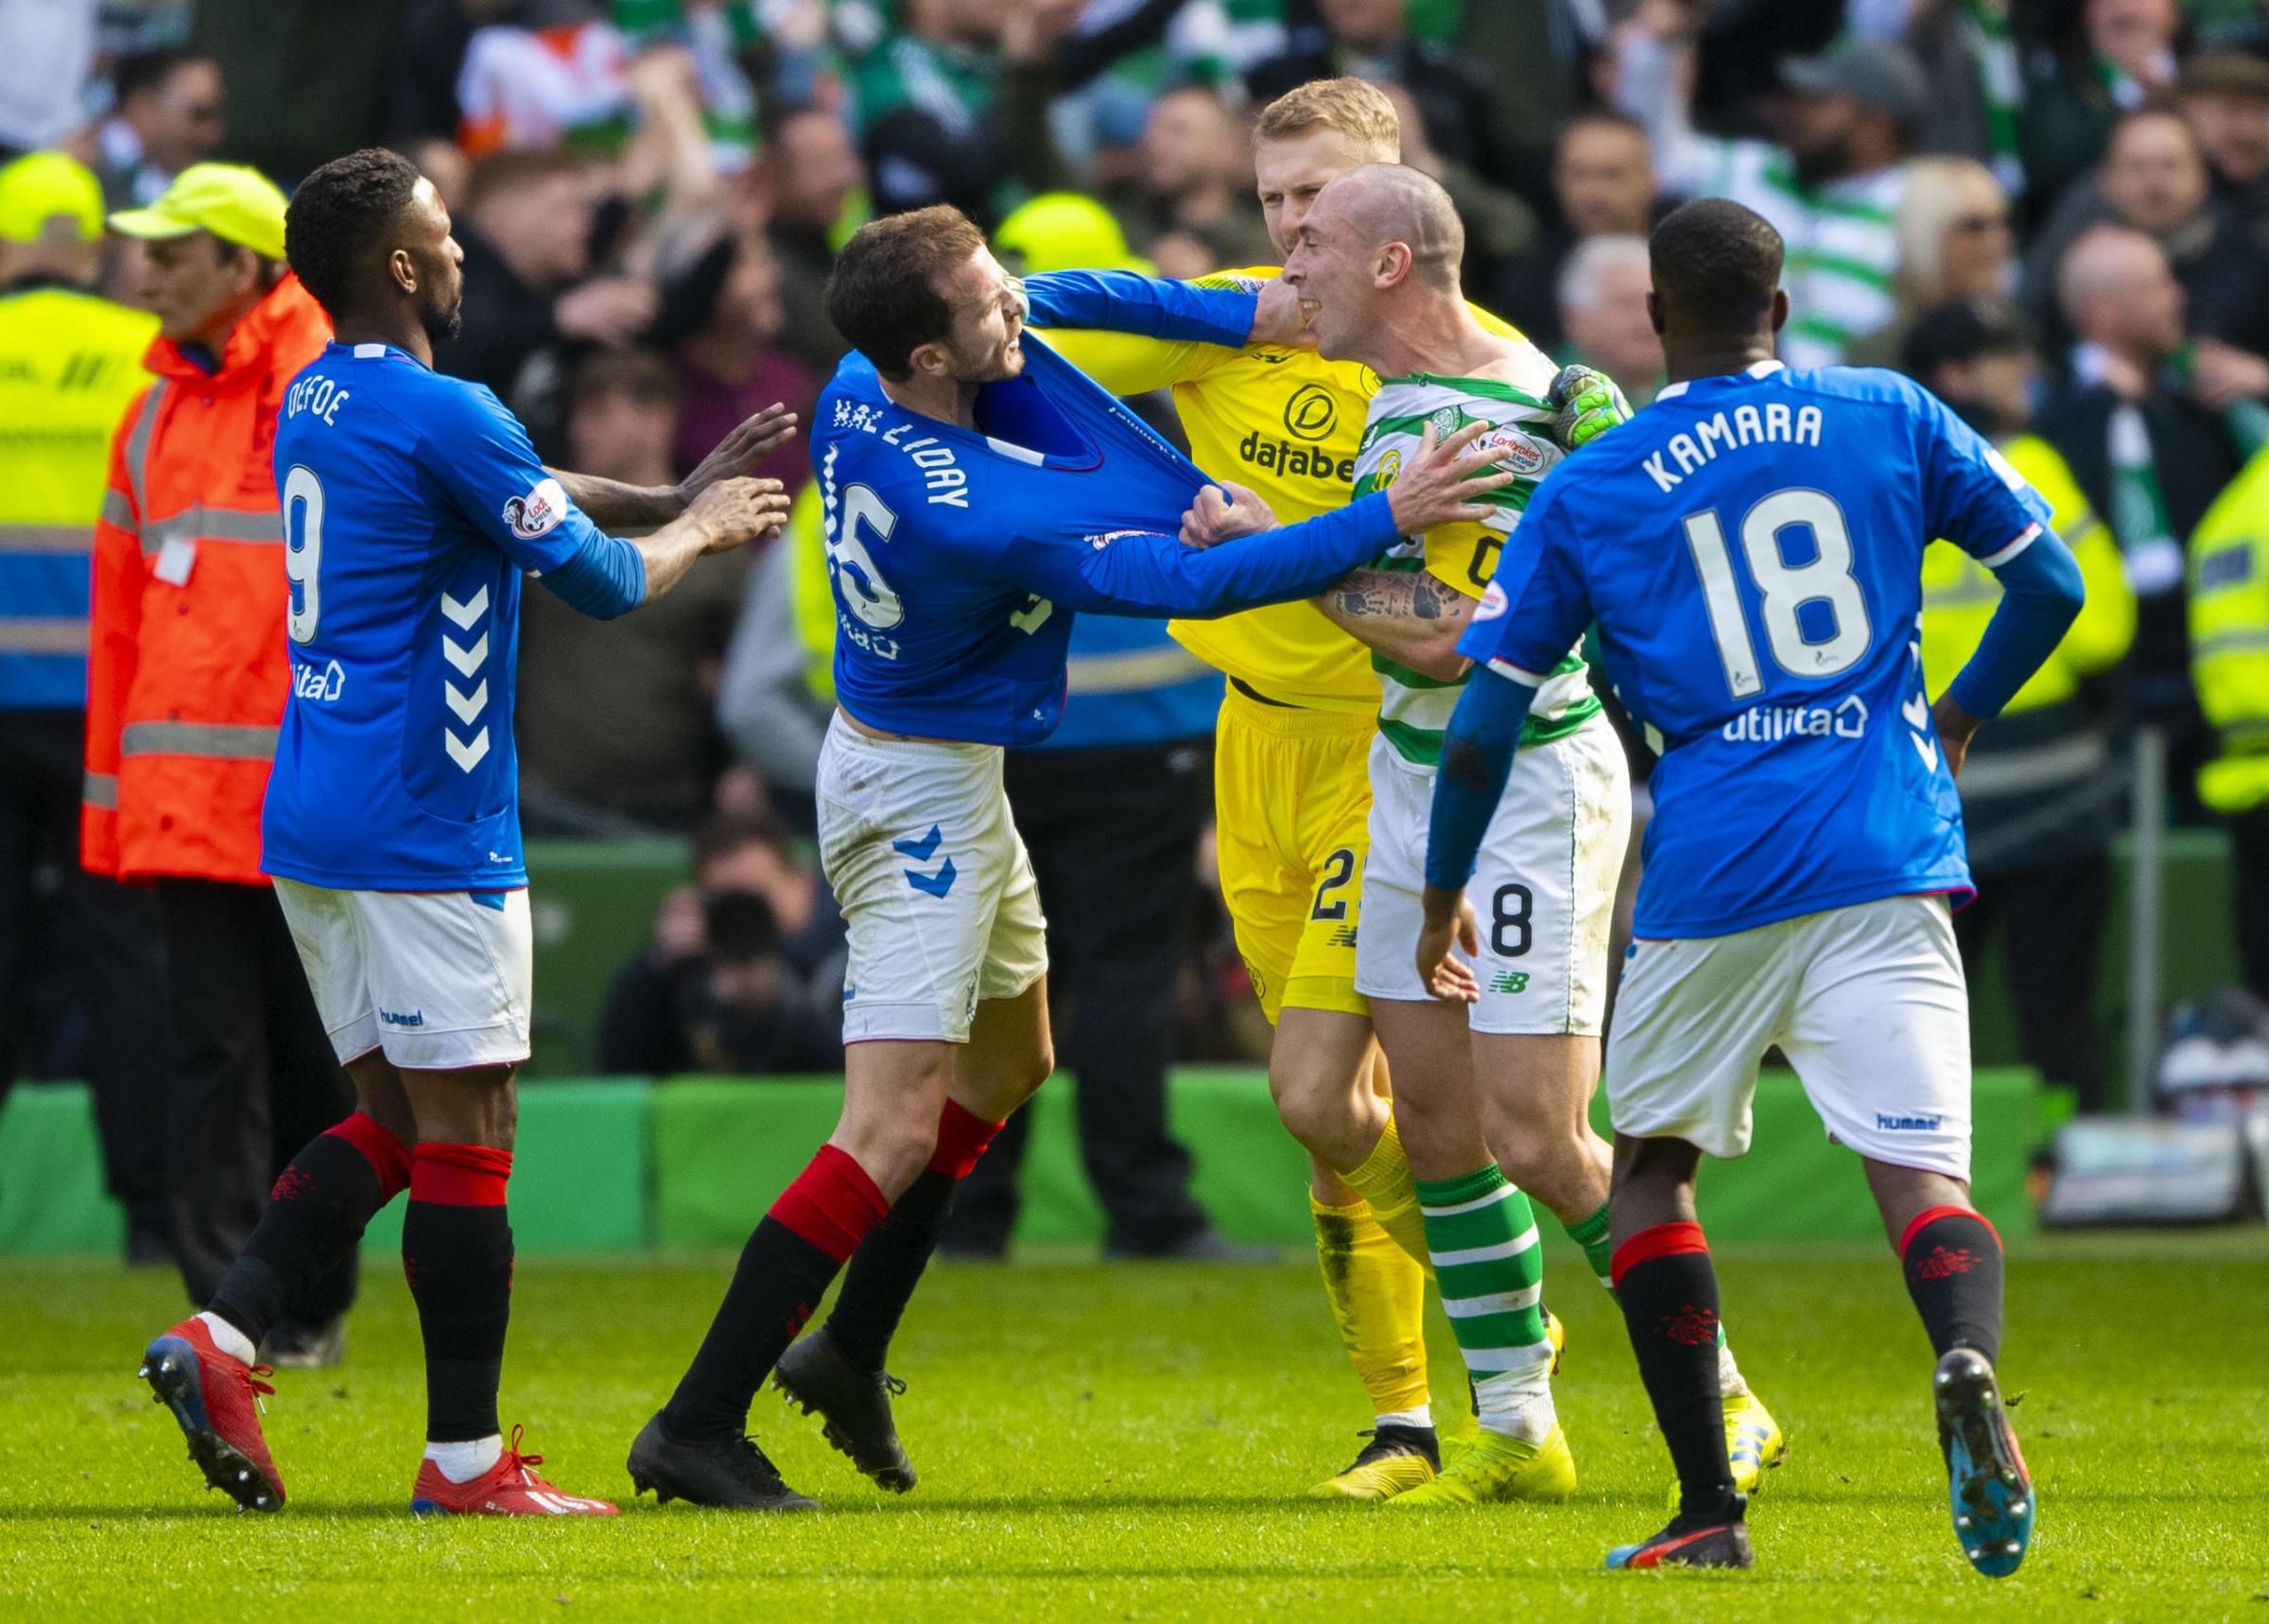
(1343, 937)
(1509, 981)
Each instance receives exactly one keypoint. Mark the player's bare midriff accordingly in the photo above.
(859, 726)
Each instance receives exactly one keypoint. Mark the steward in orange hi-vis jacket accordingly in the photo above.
(187, 663)
(186, 680)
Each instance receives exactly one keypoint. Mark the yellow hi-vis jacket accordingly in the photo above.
(2229, 638)
(70, 363)
(1959, 594)
(809, 590)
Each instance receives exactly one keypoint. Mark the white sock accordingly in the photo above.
(228, 1339)
(462, 1463)
(1730, 1383)
(1422, 1416)
(1518, 1404)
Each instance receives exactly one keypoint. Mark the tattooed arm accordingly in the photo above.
(1411, 619)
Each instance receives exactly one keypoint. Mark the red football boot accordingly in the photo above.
(508, 1489)
(215, 1398)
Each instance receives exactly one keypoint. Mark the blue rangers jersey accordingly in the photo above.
(1751, 547)
(412, 504)
(958, 556)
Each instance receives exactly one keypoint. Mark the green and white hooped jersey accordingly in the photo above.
(1841, 239)
(1414, 708)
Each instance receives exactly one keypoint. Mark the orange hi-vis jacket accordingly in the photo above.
(187, 663)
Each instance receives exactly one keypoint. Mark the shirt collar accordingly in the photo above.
(1764, 369)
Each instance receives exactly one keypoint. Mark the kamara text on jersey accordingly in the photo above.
(1774, 423)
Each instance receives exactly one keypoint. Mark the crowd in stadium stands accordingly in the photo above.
(2054, 212)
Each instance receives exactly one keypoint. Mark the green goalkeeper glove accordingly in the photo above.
(1586, 404)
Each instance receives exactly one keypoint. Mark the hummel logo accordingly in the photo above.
(415, 1018)
(920, 850)
(935, 884)
(466, 752)
(465, 613)
(467, 706)
(467, 661)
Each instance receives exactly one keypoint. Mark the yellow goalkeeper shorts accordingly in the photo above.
(1293, 808)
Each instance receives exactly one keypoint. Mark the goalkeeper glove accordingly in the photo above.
(1586, 404)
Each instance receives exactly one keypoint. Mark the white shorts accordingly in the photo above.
(937, 894)
(1543, 886)
(438, 980)
(1867, 1002)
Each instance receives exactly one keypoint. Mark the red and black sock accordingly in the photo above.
(784, 1269)
(1952, 1260)
(457, 1250)
(1669, 1293)
(316, 1214)
(889, 1262)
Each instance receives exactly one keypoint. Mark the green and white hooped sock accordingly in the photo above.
(1481, 1237)
(1591, 1234)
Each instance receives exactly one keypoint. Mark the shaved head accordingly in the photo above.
(1378, 249)
(1394, 203)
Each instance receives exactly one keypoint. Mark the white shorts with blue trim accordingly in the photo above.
(1867, 1002)
(438, 980)
(938, 896)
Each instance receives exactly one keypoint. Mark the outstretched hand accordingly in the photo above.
(1443, 481)
(740, 452)
(733, 512)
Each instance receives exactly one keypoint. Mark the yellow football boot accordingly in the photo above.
(1494, 1467)
(1556, 1334)
(1398, 1460)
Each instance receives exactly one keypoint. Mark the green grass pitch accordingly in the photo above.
(1130, 1442)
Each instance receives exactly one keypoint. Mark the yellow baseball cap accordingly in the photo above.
(38, 187)
(235, 203)
(1065, 230)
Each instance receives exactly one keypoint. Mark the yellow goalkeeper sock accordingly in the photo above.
(1377, 1297)
(1384, 1182)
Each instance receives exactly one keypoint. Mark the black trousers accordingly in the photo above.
(95, 946)
(1114, 840)
(2050, 919)
(254, 1077)
(2249, 865)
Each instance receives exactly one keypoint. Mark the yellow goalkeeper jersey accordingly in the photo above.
(1287, 423)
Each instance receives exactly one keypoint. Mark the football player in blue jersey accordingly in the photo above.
(413, 504)
(1750, 546)
(978, 491)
